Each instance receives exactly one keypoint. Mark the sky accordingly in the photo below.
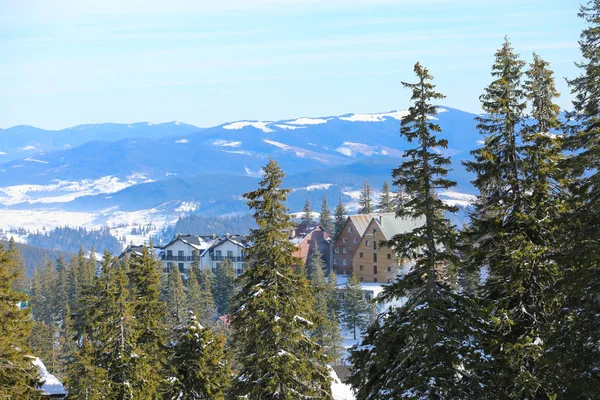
(206, 62)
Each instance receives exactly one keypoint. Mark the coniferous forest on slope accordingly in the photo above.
(504, 307)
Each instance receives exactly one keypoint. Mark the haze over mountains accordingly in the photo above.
(108, 171)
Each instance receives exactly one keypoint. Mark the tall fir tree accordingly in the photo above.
(200, 297)
(177, 302)
(424, 340)
(386, 203)
(325, 219)
(21, 282)
(200, 365)
(274, 308)
(18, 376)
(574, 348)
(223, 289)
(514, 223)
(327, 332)
(355, 308)
(340, 218)
(307, 214)
(365, 203)
(149, 312)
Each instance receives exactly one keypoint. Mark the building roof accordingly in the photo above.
(361, 222)
(391, 225)
(197, 242)
(301, 232)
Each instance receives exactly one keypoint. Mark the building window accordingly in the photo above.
(181, 268)
(374, 279)
(374, 257)
(349, 229)
(345, 240)
(238, 271)
(374, 245)
(362, 267)
(180, 254)
(374, 269)
(229, 254)
(355, 240)
(362, 279)
(214, 270)
(360, 255)
(335, 262)
(345, 250)
(345, 262)
(368, 242)
(169, 265)
(169, 253)
(374, 231)
(337, 250)
(218, 253)
(389, 256)
(389, 269)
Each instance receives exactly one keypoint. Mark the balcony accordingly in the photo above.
(226, 258)
(166, 257)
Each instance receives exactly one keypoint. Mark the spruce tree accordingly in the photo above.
(424, 340)
(333, 294)
(199, 363)
(325, 219)
(274, 309)
(307, 217)
(149, 312)
(177, 302)
(574, 348)
(327, 332)
(514, 223)
(200, 297)
(85, 380)
(21, 282)
(365, 204)
(386, 203)
(355, 308)
(18, 376)
(340, 219)
(224, 287)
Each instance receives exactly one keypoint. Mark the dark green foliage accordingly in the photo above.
(200, 365)
(514, 224)
(327, 332)
(355, 308)
(200, 297)
(307, 217)
(177, 301)
(18, 376)
(574, 347)
(386, 202)
(71, 239)
(415, 350)
(340, 219)
(33, 257)
(365, 204)
(149, 313)
(325, 219)
(21, 282)
(274, 308)
(223, 288)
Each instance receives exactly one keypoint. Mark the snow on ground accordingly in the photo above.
(277, 144)
(457, 199)
(351, 149)
(375, 117)
(339, 390)
(290, 127)
(65, 191)
(31, 159)
(226, 143)
(318, 186)
(51, 385)
(263, 126)
(307, 121)
(26, 148)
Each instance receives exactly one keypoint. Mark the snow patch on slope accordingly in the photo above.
(26, 148)
(182, 141)
(226, 143)
(263, 126)
(318, 186)
(380, 117)
(457, 199)
(307, 121)
(31, 159)
(51, 385)
(290, 127)
(351, 149)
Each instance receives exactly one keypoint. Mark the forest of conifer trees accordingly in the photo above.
(505, 307)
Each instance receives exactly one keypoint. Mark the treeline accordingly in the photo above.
(195, 224)
(71, 239)
(33, 257)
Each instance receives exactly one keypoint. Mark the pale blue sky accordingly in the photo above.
(68, 62)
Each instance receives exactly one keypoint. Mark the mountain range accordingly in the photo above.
(114, 173)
